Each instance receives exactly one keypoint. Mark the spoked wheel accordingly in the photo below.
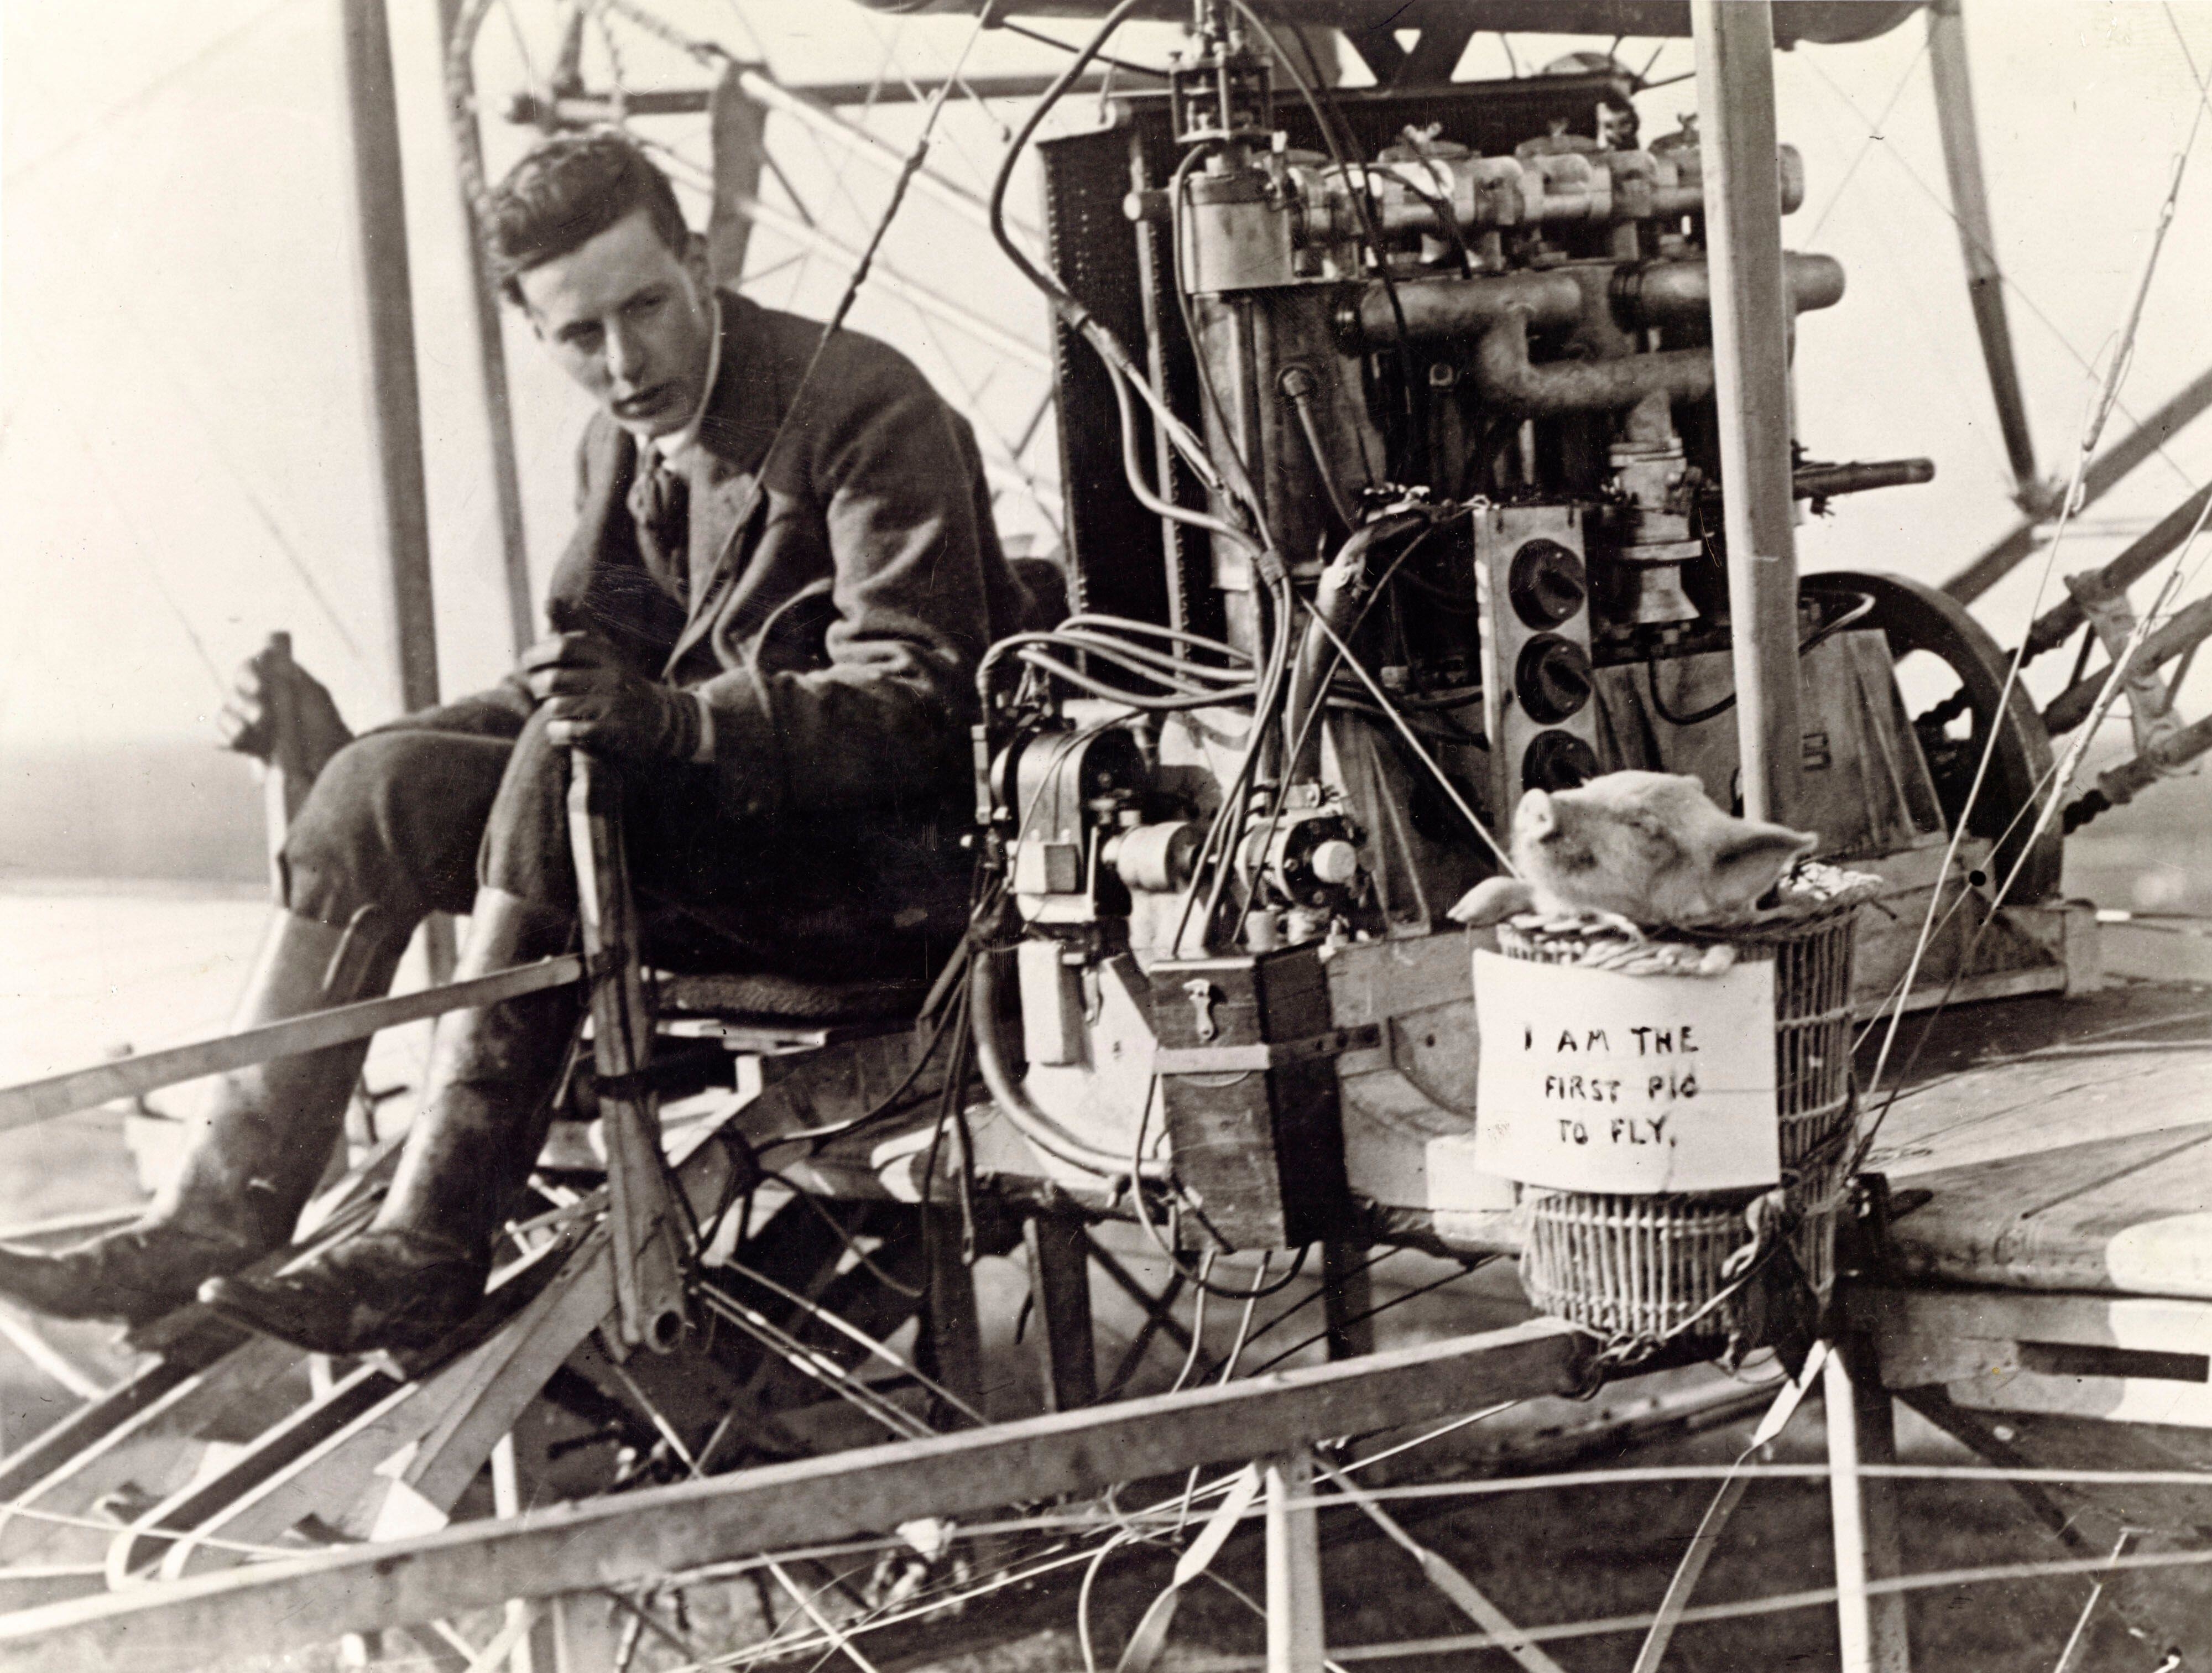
(1966, 723)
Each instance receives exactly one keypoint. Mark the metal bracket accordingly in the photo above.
(2150, 704)
(1274, 1055)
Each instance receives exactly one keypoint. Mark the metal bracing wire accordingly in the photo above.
(2106, 400)
(2010, 283)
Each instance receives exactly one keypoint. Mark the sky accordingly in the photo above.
(184, 460)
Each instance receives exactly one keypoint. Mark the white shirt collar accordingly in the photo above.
(673, 447)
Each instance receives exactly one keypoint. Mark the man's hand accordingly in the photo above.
(280, 713)
(599, 705)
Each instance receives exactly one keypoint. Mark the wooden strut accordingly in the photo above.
(127, 1077)
(213, 1619)
(648, 1257)
(1735, 43)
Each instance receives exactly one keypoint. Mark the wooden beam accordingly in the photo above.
(487, 335)
(127, 1077)
(1296, 1640)
(1059, 1290)
(395, 400)
(1751, 382)
(1863, 1512)
(219, 1618)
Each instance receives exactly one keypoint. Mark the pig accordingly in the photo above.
(1648, 847)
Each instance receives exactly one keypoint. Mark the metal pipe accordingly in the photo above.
(1506, 380)
(1672, 293)
(1023, 1112)
(1970, 203)
(395, 406)
(2187, 629)
(486, 334)
(2120, 785)
(1453, 307)
(1659, 293)
(1826, 482)
(1751, 363)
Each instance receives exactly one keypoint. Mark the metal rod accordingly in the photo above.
(2104, 474)
(586, 109)
(1751, 365)
(490, 344)
(128, 1077)
(395, 404)
(1970, 205)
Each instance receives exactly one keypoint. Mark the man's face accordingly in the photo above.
(630, 320)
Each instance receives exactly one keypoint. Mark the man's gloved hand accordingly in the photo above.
(280, 713)
(597, 704)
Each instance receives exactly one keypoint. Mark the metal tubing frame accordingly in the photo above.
(1735, 43)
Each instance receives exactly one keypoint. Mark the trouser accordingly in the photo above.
(412, 819)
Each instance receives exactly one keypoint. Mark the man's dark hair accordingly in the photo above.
(568, 191)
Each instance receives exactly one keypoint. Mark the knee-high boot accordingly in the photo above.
(259, 1143)
(419, 1270)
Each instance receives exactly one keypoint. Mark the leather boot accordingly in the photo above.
(418, 1271)
(259, 1144)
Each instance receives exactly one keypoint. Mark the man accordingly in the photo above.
(783, 572)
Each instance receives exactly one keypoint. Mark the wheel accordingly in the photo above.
(1956, 732)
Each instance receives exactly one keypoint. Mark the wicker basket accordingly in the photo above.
(1649, 1267)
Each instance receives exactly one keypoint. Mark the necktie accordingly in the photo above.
(660, 504)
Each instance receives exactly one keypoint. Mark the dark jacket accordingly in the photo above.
(838, 608)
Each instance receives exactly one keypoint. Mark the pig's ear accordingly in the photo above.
(1749, 859)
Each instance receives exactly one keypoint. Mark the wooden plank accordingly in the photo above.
(1863, 1512)
(156, 1450)
(952, 1327)
(127, 1077)
(1060, 1289)
(219, 1618)
(1295, 1643)
(2129, 1214)
(2115, 1360)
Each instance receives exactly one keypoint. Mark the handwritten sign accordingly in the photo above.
(1591, 1080)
